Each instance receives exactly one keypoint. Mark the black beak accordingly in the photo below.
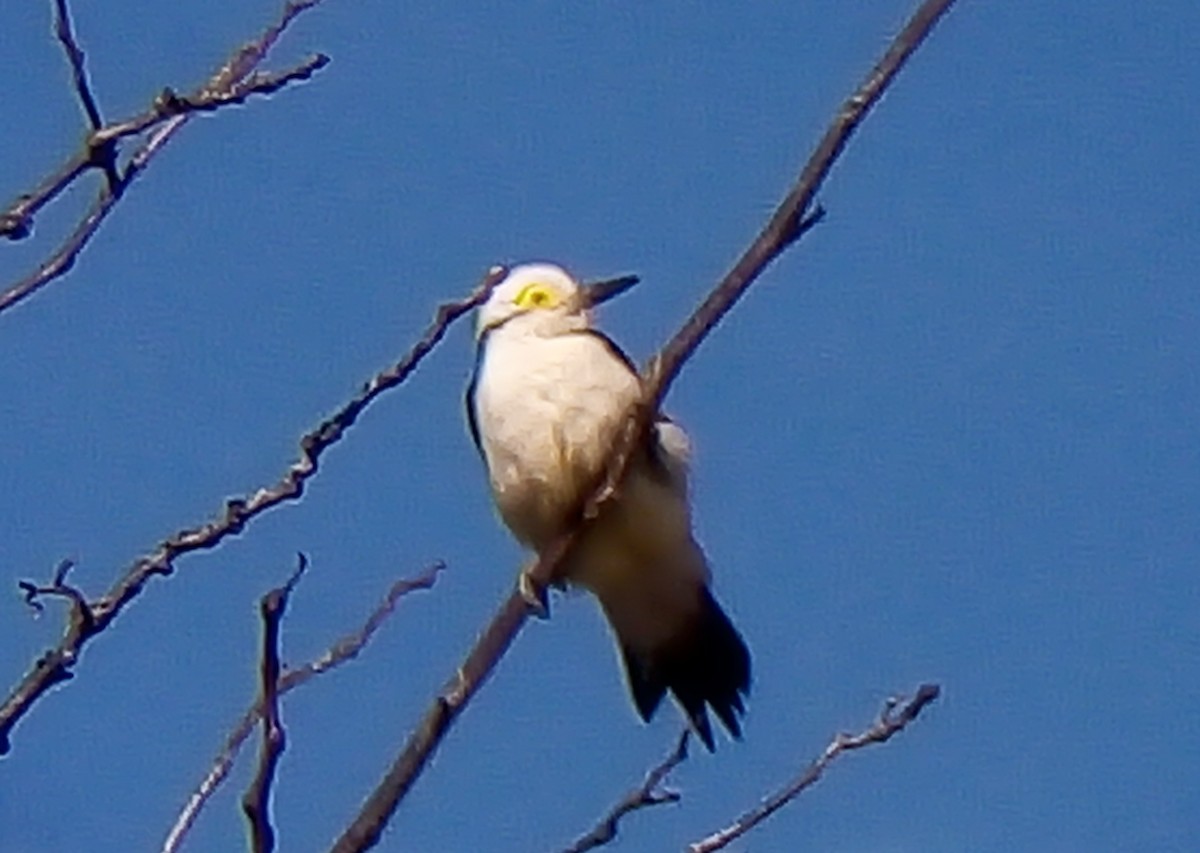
(597, 292)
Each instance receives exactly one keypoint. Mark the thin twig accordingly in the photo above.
(896, 715)
(75, 56)
(250, 55)
(648, 794)
(16, 223)
(256, 803)
(345, 649)
(790, 221)
(58, 587)
(55, 665)
(232, 83)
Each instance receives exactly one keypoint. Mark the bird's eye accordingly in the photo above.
(537, 296)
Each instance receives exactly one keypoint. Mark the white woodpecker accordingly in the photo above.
(547, 397)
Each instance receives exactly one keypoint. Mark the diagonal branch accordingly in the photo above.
(56, 664)
(649, 794)
(345, 649)
(232, 83)
(896, 716)
(790, 221)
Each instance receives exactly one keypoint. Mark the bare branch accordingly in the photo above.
(256, 803)
(232, 83)
(103, 158)
(250, 55)
(896, 715)
(345, 649)
(170, 104)
(81, 618)
(648, 794)
(59, 587)
(55, 665)
(786, 226)
(789, 222)
(16, 223)
(75, 56)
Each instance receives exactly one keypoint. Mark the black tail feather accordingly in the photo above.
(707, 664)
(647, 688)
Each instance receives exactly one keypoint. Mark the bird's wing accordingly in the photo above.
(469, 397)
(667, 445)
(672, 451)
(613, 349)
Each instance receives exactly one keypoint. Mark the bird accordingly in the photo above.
(547, 396)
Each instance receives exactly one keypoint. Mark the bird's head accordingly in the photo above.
(544, 299)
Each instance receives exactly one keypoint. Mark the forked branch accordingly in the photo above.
(232, 83)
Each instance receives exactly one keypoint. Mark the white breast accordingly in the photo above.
(547, 409)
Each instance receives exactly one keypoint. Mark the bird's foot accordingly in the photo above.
(536, 596)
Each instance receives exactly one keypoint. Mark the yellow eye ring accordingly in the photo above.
(537, 295)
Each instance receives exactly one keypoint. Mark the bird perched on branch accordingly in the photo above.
(547, 398)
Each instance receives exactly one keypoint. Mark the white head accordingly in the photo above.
(544, 299)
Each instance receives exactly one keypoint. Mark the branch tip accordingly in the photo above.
(650, 793)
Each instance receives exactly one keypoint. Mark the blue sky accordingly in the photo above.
(951, 436)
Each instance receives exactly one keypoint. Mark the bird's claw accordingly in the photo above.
(536, 596)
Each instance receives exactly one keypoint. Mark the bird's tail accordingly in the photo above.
(703, 663)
